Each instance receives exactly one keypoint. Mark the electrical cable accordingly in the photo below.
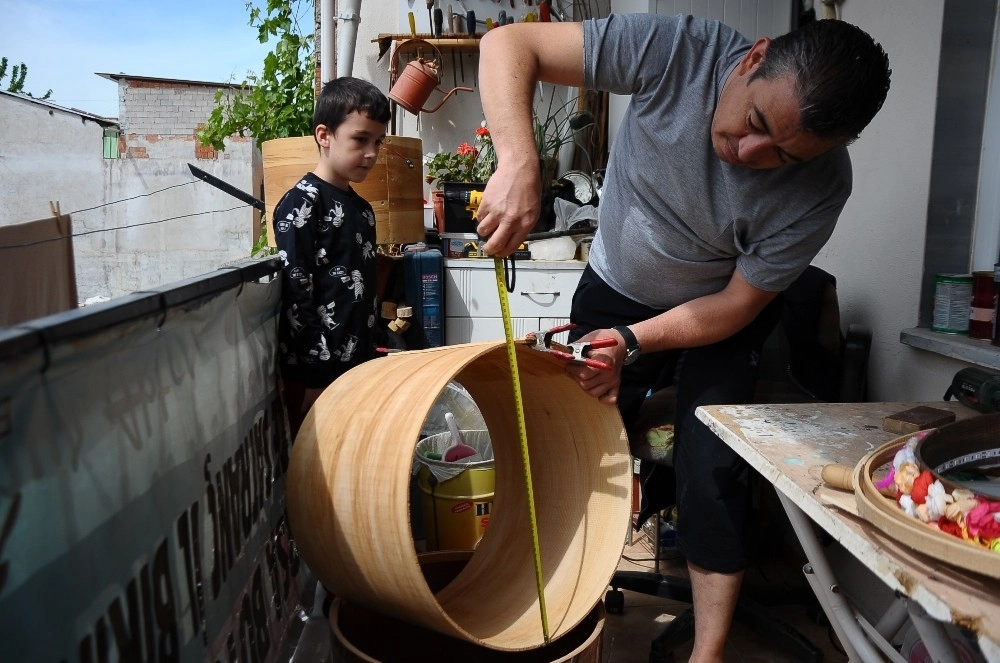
(104, 230)
(141, 195)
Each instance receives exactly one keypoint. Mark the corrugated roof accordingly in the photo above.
(131, 77)
(76, 111)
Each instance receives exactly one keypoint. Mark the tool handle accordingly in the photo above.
(438, 20)
(602, 343)
(413, 23)
(470, 23)
(838, 476)
(543, 12)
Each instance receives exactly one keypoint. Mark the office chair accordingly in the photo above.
(806, 358)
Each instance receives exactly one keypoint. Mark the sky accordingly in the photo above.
(65, 42)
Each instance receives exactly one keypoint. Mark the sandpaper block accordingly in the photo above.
(917, 418)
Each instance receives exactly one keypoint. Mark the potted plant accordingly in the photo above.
(467, 168)
(470, 166)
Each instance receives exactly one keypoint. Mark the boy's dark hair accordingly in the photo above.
(841, 76)
(345, 95)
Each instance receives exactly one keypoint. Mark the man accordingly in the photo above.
(726, 178)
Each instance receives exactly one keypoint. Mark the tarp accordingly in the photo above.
(142, 459)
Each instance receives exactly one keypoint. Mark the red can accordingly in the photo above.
(984, 299)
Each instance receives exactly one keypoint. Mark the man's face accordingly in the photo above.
(757, 124)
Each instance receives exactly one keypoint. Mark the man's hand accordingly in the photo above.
(510, 207)
(601, 384)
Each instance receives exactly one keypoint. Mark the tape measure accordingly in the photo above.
(523, 433)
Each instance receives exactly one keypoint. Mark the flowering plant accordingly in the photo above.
(961, 512)
(468, 163)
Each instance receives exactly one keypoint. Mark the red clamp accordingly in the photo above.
(577, 352)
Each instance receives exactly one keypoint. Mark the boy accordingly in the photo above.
(325, 233)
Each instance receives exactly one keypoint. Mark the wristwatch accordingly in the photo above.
(632, 349)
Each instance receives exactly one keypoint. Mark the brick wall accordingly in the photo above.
(165, 108)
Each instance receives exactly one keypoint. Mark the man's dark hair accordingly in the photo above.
(841, 76)
(345, 95)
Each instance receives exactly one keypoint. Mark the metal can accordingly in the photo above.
(952, 299)
(983, 301)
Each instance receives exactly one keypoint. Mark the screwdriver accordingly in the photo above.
(413, 24)
(430, 15)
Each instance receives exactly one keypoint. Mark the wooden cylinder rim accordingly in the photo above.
(348, 494)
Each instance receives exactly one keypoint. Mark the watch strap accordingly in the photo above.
(632, 348)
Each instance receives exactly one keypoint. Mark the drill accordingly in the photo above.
(471, 199)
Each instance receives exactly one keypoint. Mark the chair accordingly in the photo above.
(806, 358)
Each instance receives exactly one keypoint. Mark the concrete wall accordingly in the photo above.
(142, 220)
(193, 228)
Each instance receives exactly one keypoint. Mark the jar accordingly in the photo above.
(984, 300)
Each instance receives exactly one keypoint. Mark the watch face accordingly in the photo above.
(582, 186)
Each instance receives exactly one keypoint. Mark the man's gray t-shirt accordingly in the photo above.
(676, 220)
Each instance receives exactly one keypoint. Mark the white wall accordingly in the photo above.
(877, 250)
(46, 154)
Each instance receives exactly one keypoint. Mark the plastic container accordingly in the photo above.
(423, 276)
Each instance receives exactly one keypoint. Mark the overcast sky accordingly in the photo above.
(64, 42)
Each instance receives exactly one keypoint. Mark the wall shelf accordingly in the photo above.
(460, 43)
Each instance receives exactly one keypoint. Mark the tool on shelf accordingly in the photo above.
(577, 352)
(438, 20)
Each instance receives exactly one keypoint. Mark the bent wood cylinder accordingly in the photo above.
(348, 494)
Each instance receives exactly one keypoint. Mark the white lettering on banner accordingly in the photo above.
(142, 623)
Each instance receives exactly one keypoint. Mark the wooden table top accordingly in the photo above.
(790, 444)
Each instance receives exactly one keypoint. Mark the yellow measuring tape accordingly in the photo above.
(523, 432)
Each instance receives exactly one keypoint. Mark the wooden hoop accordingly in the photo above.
(885, 514)
(348, 494)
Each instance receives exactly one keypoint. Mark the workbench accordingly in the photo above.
(789, 445)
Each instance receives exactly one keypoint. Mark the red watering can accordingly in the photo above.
(421, 76)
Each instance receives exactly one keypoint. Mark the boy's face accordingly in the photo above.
(349, 154)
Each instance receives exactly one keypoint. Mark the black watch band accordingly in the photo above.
(632, 349)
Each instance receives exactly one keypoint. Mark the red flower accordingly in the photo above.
(465, 148)
(482, 131)
(920, 484)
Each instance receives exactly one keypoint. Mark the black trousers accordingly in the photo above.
(708, 481)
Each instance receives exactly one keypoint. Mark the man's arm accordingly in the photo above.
(702, 321)
(513, 59)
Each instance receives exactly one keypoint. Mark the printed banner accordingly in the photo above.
(142, 475)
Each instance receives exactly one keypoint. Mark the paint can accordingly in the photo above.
(456, 498)
(952, 299)
(984, 298)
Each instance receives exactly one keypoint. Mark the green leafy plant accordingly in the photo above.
(278, 103)
(468, 163)
(17, 76)
(557, 128)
